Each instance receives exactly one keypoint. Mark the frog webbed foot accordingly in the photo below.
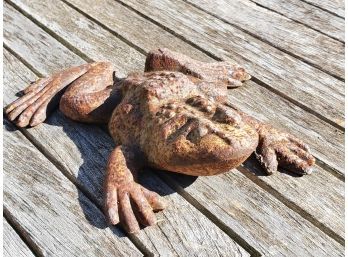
(129, 203)
(284, 150)
(126, 201)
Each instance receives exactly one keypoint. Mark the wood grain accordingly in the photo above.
(307, 14)
(91, 41)
(281, 32)
(13, 245)
(267, 106)
(288, 76)
(333, 6)
(81, 151)
(319, 197)
(57, 217)
(255, 215)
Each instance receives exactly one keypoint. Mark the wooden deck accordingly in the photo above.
(53, 173)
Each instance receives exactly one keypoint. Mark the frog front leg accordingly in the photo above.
(279, 149)
(126, 201)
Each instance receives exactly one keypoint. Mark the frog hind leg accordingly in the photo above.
(227, 74)
(93, 96)
(88, 91)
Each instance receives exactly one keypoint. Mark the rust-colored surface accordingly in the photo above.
(172, 117)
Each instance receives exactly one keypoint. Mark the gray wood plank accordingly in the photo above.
(91, 41)
(317, 49)
(311, 88)
(333, 6)
(57, 217)
(284, 115)
(307, 14)
(183, 230)
(13, 245)
(285, 34)
(115, 16)
(320, 197)
(255, 215)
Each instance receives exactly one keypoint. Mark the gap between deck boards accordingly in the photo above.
(22, 234)
(322, 8)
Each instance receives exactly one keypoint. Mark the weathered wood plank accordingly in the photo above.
(57, 217)
(183, 230)
(115, 16)
(91, 41)
(281, 32)
(320, 197)
(308, 86)
(268, 26)
(310, 15)
(252, 213)
(300, 123)
(13, 245)
(333, 6)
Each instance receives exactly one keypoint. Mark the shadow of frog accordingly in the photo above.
(84, 163)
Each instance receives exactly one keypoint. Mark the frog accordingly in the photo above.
(174, 116)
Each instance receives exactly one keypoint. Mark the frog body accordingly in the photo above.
(175, 116)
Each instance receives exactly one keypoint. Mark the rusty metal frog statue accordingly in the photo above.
(173, 117)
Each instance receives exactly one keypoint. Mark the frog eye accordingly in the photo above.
(171, 106)
(228, 116)
(202, 104)
(197, 133)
